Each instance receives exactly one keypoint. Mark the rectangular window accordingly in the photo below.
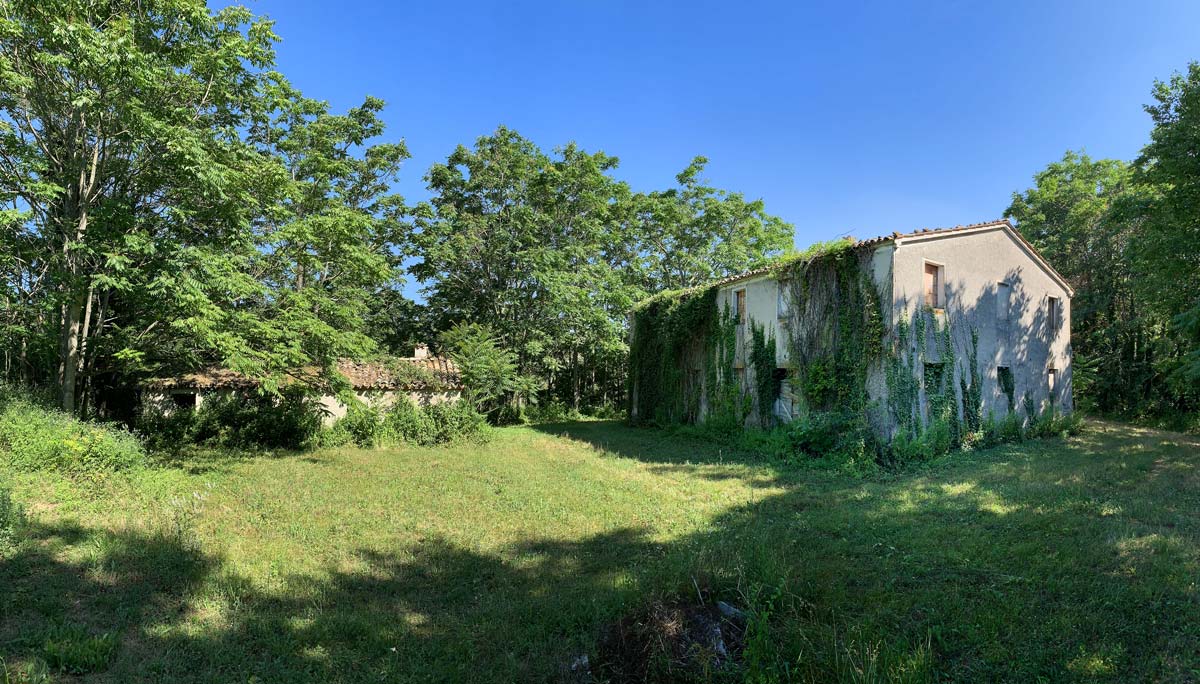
(739, 297)
(935, 377)
(184, 399)
(1003, 301)
(1008, 385)
(781, 302)
(1052, 315)
(1052, 377)
(933, 286)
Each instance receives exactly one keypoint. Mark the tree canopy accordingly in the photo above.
(1126, 236)
(550, 251)
(170, 199)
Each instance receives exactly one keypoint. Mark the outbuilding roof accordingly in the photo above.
(425, 373)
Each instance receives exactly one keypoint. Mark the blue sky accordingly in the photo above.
(846, 118)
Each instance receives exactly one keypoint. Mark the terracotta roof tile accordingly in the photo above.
(429, 373)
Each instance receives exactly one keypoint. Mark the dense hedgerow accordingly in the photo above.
(34, 436)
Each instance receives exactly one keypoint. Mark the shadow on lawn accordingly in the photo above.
(114, 583)
(1035, 561)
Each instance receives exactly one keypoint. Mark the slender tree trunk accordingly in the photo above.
(72, 320)
(81, 364)
(574, 380)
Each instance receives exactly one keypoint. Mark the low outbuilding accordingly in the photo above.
(422, 378)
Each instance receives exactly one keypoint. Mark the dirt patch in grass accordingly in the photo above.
(672, 640)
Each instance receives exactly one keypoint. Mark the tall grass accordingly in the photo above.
(34, 436)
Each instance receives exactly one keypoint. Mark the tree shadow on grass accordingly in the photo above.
(90, 583)
(1010, 570)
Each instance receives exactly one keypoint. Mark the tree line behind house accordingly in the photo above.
(171, 200)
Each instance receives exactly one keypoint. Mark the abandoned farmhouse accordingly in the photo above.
(962, 324)
(421, 378)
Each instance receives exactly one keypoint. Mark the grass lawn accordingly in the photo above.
(1048, 561)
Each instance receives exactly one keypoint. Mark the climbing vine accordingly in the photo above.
(763, 362)
(834, 324)
(686, 350)
(666, 353)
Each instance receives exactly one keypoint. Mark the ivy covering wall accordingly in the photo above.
(858, 387)
(683, 362)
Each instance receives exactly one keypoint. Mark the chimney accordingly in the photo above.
(421, 351)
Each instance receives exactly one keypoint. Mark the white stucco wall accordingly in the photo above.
(974, 263)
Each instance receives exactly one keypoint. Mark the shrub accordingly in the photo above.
(550, 412)
(405, 422)
(823, 434)
(36, 437)
(453, 421)
(606, 411)
(288, 420)
(363, 425)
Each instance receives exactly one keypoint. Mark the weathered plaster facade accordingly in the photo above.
(989, 280)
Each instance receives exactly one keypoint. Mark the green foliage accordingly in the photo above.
(762, 361)
(489, 371)
(694, 233)
(674, 335)
(287, 419)
(181, 202)
(835, 323)
(71, 649)
(971, 387)
(362, 425)
(551, 251)
(1166, 252)
(1124, 236)
(840, 438)
(550, 412)
(406, 423)
(31, 672)
(36, 437)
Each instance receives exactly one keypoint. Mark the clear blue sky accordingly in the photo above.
(858, 120)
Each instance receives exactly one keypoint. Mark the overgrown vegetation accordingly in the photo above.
(406, 423)
(34, 436)
(838, 349)
(290, 419)
(1123, 233)
(512, 560)
(12, 521)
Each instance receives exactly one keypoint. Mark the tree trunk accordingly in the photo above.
(69, 366)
